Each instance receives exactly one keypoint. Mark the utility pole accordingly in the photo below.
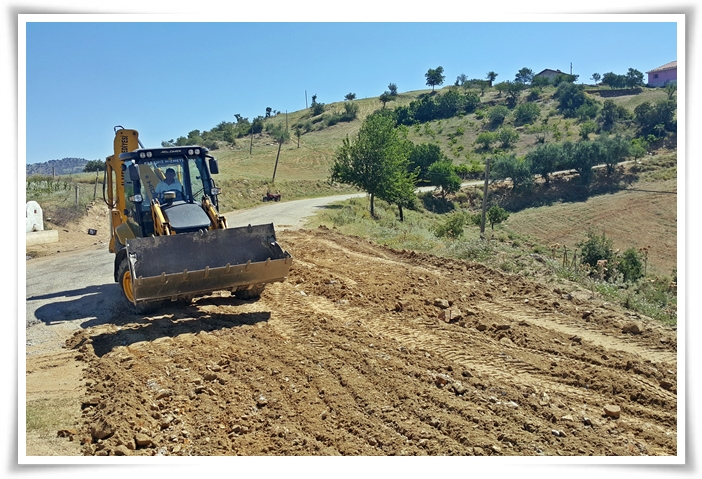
(305, 99)
(485, 197)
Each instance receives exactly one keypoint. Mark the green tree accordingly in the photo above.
(586, 128)
(491, 76)
(422, 157)
(611, 114)
(435, 77)
(94, 165)
(630, 265)
(648, 116)
(486, 139)
(392, 88)
(639, 148)
(386, 97)
(524, 76)
(526, 113)
(443, 175)
(451, 227)
(596, 248)
(545, 159)
(514, 90)
(584, 156)
(298, 134)
(615, 150)
(497, 114)
(570, 97)
(507, 136)
(596, 78)
(496, 215)
(634, 78)
(540, 82)
(509, 167)
(375, 161)
(612, 80)
(350, 96)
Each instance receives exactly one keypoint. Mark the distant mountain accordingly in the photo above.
(65, 166)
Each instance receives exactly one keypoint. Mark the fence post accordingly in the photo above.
(77, 194)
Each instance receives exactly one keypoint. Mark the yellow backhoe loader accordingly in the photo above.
(169, 240)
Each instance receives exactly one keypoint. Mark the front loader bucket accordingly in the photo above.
(194, 264)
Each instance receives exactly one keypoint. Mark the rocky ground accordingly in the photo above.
(368, 351)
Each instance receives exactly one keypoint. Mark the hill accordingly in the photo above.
(65, 166)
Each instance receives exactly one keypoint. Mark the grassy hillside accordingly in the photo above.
(246, 168)
(636, 207)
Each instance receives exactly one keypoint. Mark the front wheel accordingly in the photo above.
(125, 286)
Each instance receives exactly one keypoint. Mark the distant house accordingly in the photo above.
(550, 74)
(663, 74)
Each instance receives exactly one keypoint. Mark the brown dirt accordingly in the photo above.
(355, 355)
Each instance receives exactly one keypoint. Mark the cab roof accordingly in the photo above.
(148, 154)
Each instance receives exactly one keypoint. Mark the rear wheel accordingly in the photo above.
(252, 293)
(125, 285)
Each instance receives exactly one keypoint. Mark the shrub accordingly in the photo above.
(451, 227)
(496, 215)
(526, 113)
(507, 136)
(596, 248)
(497, 114)
(630, 265)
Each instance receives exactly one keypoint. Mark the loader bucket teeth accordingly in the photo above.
(194, 264)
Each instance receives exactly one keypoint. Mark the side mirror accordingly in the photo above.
(214, 169)
(133, 173)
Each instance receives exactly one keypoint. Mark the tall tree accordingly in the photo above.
(544, 160)
(443, 174)
(524, 76)
(385, 97)
(376, 161)
(634, 78)
(392, 88)
(435, 77)
(596, 78)
(491, 77)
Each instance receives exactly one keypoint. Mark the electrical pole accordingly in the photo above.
(485, 196)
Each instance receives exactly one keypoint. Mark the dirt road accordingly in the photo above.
(362, 351)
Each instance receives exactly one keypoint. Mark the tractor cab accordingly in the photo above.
(173, 181)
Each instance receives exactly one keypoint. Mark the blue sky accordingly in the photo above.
(167, 78)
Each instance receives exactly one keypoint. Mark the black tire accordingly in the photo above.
(252, 293)
(125, 280)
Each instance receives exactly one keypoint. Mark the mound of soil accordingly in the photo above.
(369, 351)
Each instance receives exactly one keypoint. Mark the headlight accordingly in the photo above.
(190, 152)
(197, 151)
(149, 154)
(216, 191)
(142, 155)
(136, 198)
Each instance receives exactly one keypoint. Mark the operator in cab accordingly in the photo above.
(170, 183)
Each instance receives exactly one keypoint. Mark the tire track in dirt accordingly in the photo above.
(351, 356)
